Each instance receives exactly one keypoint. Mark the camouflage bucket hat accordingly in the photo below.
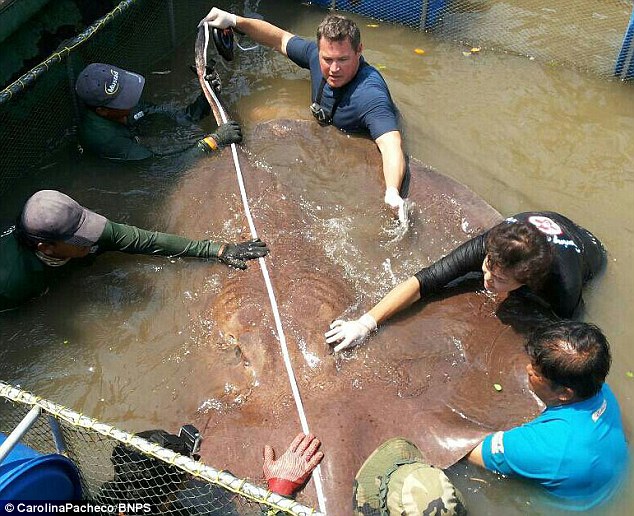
(395, 481)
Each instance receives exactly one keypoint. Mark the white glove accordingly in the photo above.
(394, 201)
(219, 19)
(350, 333)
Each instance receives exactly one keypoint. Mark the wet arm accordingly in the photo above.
(475, 456)
(393, 159)
(133, 240)
(466, 258)
(264, 33)
(399, 298)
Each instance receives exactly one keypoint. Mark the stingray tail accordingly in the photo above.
(203, 67)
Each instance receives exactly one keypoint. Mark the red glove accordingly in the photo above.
(288, 473)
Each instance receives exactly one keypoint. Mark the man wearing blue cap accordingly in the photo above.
(113, 114)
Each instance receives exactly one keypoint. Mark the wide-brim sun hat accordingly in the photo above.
(395, 481)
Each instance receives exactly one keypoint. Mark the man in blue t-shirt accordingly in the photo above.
(576, 448)
(346, 91)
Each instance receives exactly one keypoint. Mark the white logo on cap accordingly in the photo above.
(114, 86)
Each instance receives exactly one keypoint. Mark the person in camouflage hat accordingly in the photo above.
(395, 481)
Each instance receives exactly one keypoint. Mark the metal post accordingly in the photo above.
(19, 431)
(172, 23)
(58, 437)
(70, 71)
(423, 14)
(624, 59)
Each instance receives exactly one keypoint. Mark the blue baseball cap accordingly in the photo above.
(109, 86)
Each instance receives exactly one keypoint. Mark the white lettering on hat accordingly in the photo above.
(113, 87)
(497, 443)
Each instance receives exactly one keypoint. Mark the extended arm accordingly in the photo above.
(260, 31)
(130, 239)
(351, 333)
(466, 258)
(264, 33)
(393, 166)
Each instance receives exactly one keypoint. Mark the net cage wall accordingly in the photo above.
(39, 111)
(584, 34)
(118, 469)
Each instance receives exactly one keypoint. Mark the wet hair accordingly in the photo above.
(522, 250)
(571, 354)
(338, 28)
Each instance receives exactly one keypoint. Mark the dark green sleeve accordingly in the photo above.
(130, 239)
(193, 113)
(191, 151)
(127, 149)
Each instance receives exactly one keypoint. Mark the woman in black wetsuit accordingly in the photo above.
(542, 251)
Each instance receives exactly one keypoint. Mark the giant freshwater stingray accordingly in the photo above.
(444, 374)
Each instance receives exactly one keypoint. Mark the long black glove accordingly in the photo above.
(235, 255)
(226, 134)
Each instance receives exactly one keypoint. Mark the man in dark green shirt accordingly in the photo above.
(53, 229)
(113, 113)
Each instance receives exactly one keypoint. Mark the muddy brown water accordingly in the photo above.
(520, 134)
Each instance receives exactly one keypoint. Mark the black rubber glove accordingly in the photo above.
(235, 255)
(211, 76)
(198, 109)
(225, 135)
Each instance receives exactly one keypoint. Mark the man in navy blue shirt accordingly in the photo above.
(346, 91)
(576, 448)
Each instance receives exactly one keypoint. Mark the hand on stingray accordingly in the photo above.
(227, 133)
(288, 473)
(350, 333)
(399, 205)
(235, 255)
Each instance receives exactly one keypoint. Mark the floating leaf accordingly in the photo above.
(497, 387)
(381, 67)
(419, 51)
(629, 374)
(475, 50)
(373, 25)
(65, 342)
(466, 54)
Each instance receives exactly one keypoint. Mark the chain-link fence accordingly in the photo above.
(116, 467)
(589, 35)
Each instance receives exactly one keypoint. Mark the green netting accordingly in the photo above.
(137, 33)
(578, 33)
(116, 467)
(39, 112)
